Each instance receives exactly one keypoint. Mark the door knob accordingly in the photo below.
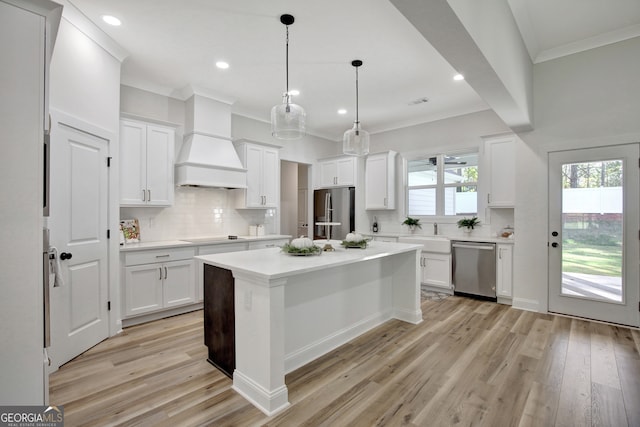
(554, 244)
(66, 255)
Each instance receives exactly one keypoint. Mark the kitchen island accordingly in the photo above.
(289, 310)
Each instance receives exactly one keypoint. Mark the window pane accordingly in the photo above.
(422, 172)
(422, 201)
(461, 200)
(461, 168)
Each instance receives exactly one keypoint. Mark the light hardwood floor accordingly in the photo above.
(469, 363)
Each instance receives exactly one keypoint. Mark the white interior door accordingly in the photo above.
(593, 233)
(78, 223)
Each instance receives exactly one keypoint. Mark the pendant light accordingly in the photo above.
(287, 119)
(355, 141)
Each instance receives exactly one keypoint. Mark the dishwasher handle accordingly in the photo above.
(484, 248)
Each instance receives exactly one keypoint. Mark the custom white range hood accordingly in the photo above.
(207, 157)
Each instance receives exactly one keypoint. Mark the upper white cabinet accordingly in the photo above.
(380, 173)
(337, 172)
(262, 163)
(500, 160)
(146, 164)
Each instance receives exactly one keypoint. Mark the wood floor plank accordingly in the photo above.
(469, 362)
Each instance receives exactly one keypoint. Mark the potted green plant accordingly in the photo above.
(468, 224)
(412, 223)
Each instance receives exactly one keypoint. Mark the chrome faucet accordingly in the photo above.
(435, 228)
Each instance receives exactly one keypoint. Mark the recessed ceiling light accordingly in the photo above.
(111, 20)
(294, 92)
(342, 111)
(222, 65)
(458, 77)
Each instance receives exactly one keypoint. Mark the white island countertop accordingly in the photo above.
(272, 263)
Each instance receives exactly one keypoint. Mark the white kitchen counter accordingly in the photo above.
(290, 310)
(469, 238)
(201, 241)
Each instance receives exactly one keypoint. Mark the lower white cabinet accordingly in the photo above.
(436, 269)
(504, 271)
(155, 280)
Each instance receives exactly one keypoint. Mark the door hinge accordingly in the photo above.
(109, 161)
(108, 234)
(108, 305)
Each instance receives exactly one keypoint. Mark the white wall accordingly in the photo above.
(209, 211)
(428, 138)
(85, 82)
(586, 99)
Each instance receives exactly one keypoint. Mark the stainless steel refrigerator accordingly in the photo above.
(335, 205)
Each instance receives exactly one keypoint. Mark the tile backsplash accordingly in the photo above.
(199, 212)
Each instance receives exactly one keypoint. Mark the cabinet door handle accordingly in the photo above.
(149, 196)
(160, 268)
(165, 273)
(488, 197)
(144, 195)
(500, 253)
(385, 202)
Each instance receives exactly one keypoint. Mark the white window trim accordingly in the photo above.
(444, 219)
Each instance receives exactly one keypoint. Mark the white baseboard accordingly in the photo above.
(526, 304)
(160, 314)
(409, 316)
(269, 402)
(306, 354)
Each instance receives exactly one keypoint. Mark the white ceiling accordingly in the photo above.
(174, 44)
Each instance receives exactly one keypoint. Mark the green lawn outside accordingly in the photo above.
(591, 259)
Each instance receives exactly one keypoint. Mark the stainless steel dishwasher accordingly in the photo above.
(474, 269)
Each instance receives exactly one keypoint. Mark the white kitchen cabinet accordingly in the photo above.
(158, 279)
(337, 172)
(501, 171)
(385, 239)
(146, 164)
(380, 174)
(262, 244)
(504, 271)
(436, 269)
(262, 163)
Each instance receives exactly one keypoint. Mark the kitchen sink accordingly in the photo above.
(430, 243)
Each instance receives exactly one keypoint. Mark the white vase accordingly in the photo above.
(467, 230)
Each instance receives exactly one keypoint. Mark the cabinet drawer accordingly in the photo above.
(158, 255)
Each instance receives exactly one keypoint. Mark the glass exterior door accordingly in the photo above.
(593, 236)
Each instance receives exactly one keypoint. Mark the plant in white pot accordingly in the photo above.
(412, 223)
(468, 224)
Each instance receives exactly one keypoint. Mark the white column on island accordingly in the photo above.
(259, 373)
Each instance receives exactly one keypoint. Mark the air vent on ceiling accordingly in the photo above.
(419, 101)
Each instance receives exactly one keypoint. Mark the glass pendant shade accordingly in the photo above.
(288, 120)
(355, 141)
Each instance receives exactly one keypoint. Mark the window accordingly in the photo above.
(444, 184)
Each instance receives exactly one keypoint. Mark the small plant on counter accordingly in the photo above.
(469, 223)
(412, 223)
(301, 246)
(354, 240)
